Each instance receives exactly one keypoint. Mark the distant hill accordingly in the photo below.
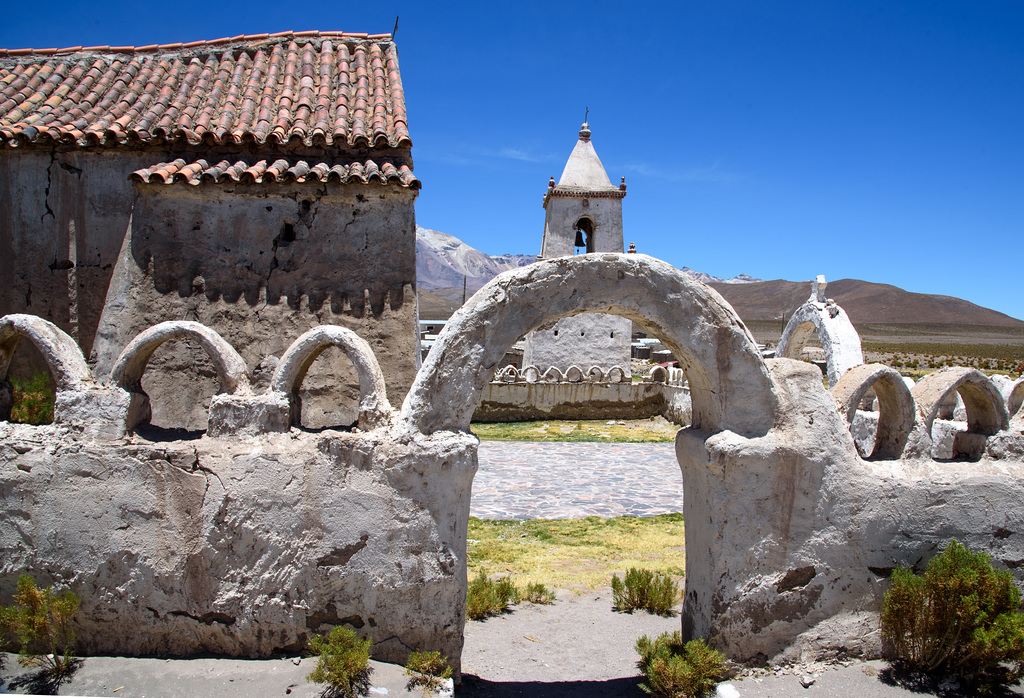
(443, 262)
(864, 301)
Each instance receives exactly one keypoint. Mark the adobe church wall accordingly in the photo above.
(261, 264)
(41, 194)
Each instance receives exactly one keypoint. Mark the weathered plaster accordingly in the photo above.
(244, 541)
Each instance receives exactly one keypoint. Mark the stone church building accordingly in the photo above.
(583, 214)
(260, 185)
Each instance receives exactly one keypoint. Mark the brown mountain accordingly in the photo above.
(863, 301)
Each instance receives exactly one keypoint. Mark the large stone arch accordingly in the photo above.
(59, 350)
(374, 408)
(730, 384)
(896, 409)
(131, 364)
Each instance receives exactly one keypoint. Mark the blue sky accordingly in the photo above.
(875, 140)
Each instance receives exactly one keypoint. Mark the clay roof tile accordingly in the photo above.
(261, 171)
(332, 89)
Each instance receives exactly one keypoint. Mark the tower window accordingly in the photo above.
(584, 236)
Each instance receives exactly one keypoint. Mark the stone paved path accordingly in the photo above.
(531, 480)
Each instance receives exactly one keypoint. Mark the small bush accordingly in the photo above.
(33, 399)
(344, 662)
(960, 617)
(535, 592)
(428, 670)
(41, 621)
(674, 670)
(486, 597)
(645, 590)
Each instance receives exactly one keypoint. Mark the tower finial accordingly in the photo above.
(585, 128)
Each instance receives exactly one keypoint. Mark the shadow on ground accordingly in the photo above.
(476, 687)
(43, 682)
(944, 687)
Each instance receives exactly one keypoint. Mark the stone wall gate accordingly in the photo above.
(249, 539)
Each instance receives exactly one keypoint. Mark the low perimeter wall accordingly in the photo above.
(245, 541)
(518, 402)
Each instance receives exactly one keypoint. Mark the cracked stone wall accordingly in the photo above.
(261, 264)
(62, 219)
(243, 549)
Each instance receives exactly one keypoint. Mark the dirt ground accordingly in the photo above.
(578, 647)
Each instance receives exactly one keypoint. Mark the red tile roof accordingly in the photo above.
(310, 88)
(255, 171)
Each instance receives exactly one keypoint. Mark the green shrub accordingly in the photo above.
(960, 617)
(428, 670)
(486, 597)
(645, 590)
(674, 670)
(535, 592)
(41, 623)
(344, 662)
(33, 399)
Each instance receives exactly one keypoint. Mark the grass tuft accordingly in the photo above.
(645, 590)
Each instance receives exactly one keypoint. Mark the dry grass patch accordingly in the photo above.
(653, 430)
(576, 553)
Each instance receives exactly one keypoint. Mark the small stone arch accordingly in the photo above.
(730, 382)
(574, 374)
(595, 374)
(63, 359)
(131, 364)
(1015, 397)
(896, 409)
(374, 408)
(509, 374)
(984, 404)
(616, 375)
(584, 228)
(531, 374)
(58, 349)
(658, 374)
(552, 375)
(839, 338)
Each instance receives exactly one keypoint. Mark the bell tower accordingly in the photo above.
(583, 214)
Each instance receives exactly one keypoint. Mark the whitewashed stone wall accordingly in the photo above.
(248, 539)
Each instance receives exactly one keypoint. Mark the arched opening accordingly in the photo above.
(28, 391)
(372, 407)
(584, 234)
(731, 385)
(327, 396)
(828, 327)
(896, 409)
(179, 382)
(194, 343)
(49, 347)
(983, 403)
